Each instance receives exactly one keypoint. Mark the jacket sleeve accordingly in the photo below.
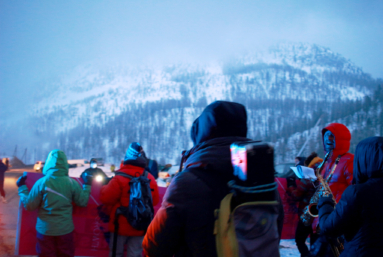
(80, 195)
(334, 222)
(31, 200)
(281, 214)
(154, 188)
(166, 230)
(349, 171)
(111, 193)
(299, 192)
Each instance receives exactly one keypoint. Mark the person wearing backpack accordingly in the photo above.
(184, 225)
(126, 218)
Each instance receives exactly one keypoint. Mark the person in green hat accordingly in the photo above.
(53, 195)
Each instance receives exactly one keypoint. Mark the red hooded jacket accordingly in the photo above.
(343, 173)
(115, 194)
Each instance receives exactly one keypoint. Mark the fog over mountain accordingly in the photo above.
(94, 112)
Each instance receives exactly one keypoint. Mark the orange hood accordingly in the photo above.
(342, 138)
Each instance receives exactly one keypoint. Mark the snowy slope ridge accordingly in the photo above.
(289, 70)
(98, 112)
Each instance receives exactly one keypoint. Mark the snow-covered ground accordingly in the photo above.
(288, 248)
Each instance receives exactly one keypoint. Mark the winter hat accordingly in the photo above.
(134, 155)
(315, 162)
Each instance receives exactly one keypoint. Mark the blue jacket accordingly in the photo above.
(359, 213)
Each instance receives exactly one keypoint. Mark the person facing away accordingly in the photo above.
(52, 195)
(3, 169)
(116, 194)
(184, 224)
(94, 171)
(358, 214)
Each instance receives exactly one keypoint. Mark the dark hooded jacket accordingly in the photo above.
(184, 224)
(359, 213)
(342, 176)
(3, 169)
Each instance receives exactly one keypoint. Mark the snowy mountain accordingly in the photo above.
(94, 112)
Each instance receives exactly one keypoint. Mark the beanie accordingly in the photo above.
(134, 155)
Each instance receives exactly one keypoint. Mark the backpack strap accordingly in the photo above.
(119, 173)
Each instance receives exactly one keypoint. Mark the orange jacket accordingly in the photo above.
(115, 194)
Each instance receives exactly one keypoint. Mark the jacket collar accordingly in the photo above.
(131, 170)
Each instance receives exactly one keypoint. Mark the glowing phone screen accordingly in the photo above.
(239, 161)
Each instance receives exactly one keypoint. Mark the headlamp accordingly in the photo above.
(99, 178)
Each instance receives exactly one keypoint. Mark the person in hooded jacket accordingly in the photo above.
(336, 138)
(184, 224)
(53, 195)
(116, 194)
(358, 214)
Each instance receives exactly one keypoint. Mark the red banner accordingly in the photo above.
(290, 207)
(91, 232)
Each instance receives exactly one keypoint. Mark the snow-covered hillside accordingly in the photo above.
(98, 112)
(291, 71)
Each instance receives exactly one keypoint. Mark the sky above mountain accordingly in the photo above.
(42, 40)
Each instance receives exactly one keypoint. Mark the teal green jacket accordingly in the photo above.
(53, 195)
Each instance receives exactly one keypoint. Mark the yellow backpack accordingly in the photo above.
(249, 230)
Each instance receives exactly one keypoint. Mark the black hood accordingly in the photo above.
(213, 156)
(368, 159)
(220, 119)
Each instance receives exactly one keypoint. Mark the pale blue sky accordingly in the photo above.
(39, 40)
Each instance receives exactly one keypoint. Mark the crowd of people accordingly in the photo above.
(187, 224)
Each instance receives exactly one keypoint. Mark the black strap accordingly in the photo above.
(119, 173)
(115, 235)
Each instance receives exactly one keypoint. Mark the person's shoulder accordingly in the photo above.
(351, 193)
(87, 170)
(188, 182)
(41, 181)
(99, 170)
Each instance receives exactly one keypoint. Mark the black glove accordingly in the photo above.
(323, 200)
(21, 181)
(87, 179)
(291, 182)
(107, 180)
